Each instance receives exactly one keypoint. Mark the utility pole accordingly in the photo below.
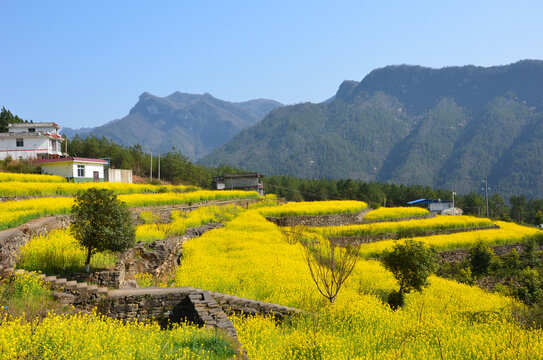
(486, 198)
(453, 193)
(151, 168)
(159, 166)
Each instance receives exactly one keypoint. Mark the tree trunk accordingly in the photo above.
(87, 263)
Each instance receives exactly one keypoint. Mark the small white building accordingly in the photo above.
(246, 182)
(31, 141)
(74, 168)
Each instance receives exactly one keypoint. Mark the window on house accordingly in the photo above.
(31, 130)
(53, 145)
(80, 170)
(19, 142)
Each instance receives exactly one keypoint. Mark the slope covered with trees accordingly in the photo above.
(195, 124)
(449, 127)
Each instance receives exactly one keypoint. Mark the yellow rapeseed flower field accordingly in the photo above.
(314, 208)
(96, 337)
(13, 213)
(28, 188)
(58, 252)
(36, 178)
(440, 222)
(384, 213)
(508, 233)
(250, 258)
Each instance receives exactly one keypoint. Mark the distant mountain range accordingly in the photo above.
(193, 124)
(448, 127)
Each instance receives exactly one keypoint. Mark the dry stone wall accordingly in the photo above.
(12, 240)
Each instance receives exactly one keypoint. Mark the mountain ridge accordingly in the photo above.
(192, 123)
(448, 127)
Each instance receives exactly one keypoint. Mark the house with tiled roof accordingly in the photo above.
(76, 169)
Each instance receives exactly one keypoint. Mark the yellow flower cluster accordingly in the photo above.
(27, 188)
(13, 213)
(182, 221)
(133, 200)
(384, 213)
(314, 208)
(250, 258)
(439, 222)
(508, 233)
(95, 337)
(4, 176)
(58, 252)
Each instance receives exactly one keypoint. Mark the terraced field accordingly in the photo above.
(250, 257)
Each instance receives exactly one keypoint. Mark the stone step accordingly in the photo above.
(41, 276)
(49, 278)
(93, 289)
(102, 291)
(81, 287)
(71, 284)
(61, 281)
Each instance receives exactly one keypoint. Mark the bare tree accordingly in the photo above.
(293, 234)
(330, 263)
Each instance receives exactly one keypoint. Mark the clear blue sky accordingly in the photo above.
(84, 63)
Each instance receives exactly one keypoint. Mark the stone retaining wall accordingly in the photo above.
(170, 305)
(12, 240)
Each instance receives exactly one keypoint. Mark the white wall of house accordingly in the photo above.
(32, 147)
(64, 169)
(88, 169)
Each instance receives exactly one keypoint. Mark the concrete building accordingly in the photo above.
(74, 168)
(435, 206)
(31, 141)
(247, 182)
(118, 175)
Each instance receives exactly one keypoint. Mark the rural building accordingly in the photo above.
(31, 141)
(247, 182)
(435, 206)
(75, 168)
(118, 175)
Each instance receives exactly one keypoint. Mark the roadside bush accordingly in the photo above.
(480, 258)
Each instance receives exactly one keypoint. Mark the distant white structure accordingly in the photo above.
(31, 141)
(246, 182)
(437, 206)
(118, 176)
(75, 169)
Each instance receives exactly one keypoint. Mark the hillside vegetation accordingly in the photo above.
(193, 124)
(449, 128)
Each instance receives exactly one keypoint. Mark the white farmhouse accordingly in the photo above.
(75, 169)
(31, 141)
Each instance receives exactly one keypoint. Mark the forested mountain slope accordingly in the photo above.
(449, 127)
(194, 124)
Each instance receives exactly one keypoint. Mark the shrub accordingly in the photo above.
(396, 299)
(480, 258)
(411, 264)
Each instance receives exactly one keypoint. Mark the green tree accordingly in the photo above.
(518, 207)
(480, 258)
(6, 117)
(411, 263)
(101, 222)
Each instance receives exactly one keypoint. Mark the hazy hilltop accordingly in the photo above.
(448, 127)
(194, 124)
